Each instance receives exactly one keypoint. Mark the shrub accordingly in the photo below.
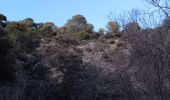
(94, 36)
(150, 57)
(6, 60)
(113, 27)
(12, 26)
(82, 35)
(3, 17)
(27, 42)
(28, 21)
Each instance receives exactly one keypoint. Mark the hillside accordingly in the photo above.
(40, 61)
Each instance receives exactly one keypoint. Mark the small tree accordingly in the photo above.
(113, 27)
(76, 23)
(89, 28)
(48, 25)
(28, 21)
(2, 18)
(13, 26)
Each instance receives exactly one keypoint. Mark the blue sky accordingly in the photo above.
(59, 11)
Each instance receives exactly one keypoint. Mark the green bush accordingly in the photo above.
(95, 36)
(3, 17)
(81, 35)
(12, 26)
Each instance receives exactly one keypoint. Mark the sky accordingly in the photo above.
(59, 11)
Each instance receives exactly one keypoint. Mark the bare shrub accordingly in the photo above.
(150, 55)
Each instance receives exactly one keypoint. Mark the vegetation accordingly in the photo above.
(40, 61)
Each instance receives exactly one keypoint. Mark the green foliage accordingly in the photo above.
(48, 29)
(77, 20)
(77, 23)
(62, 30)
(48, 25)
(27, 24)
(82, 35)
(94, 36)
(3, 17)
(28, 21)
(89, 28)
(13, 26)
(39, 61)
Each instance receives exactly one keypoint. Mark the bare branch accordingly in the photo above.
(161, 5)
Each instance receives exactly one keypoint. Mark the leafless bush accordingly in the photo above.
(150, 55)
